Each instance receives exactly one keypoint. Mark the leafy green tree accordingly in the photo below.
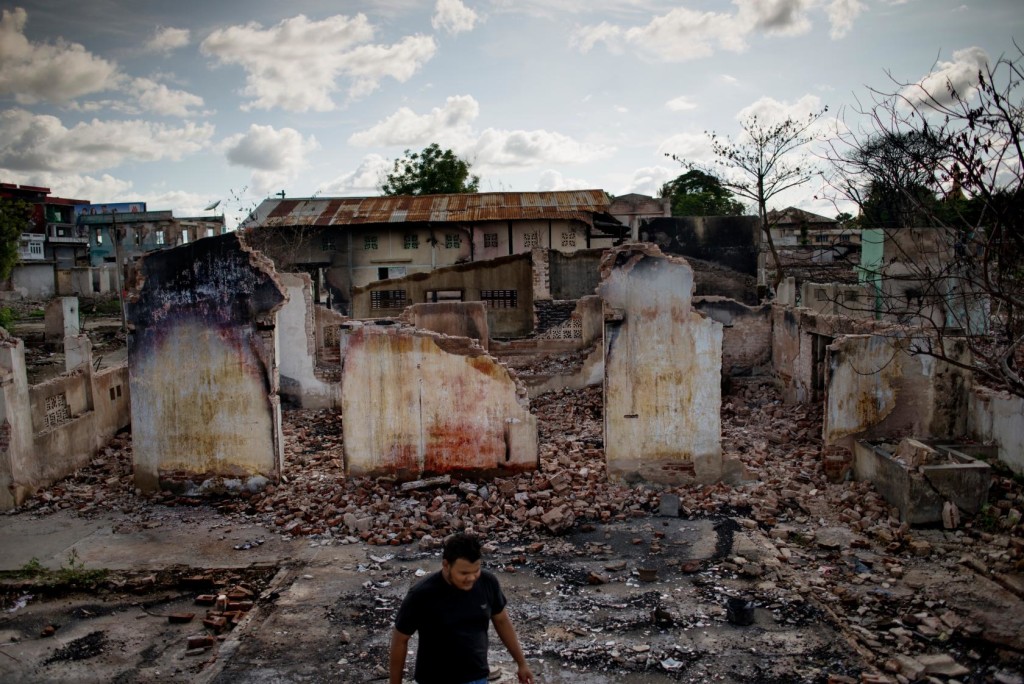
(431, 172)
(696, 193)
(15, 216)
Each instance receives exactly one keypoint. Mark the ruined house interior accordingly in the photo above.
(666, 467)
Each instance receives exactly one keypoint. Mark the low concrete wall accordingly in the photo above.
(34, 280)
(876, 388)
(419, 403)
(998, 418)
(54, 428)
(920, 491)
(455, 319)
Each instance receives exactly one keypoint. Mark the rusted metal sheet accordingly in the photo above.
(493, 206)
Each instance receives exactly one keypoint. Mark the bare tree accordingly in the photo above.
(767, 157)
(937, 174)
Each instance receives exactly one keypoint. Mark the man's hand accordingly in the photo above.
(525, 674)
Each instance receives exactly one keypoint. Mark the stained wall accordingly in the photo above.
(663, 364)
(418, 403)
(203, 365)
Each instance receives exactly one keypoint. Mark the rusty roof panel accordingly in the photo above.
(493, 206)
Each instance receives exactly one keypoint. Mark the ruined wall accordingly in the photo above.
(662, 371)
(297, 342)
(455, 319)
(418, 403)
(574, 275)
(876, 389)
(502, 278)
(202, 364)
(732, 241)
(746, 333)
(998, 417)
(49, 430)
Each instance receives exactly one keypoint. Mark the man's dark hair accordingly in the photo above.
(461, 545)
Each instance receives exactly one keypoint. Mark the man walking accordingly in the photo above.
(451, 609)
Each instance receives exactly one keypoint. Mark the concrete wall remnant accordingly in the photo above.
(455, 319)
(746, 333)
(920, 489)
(418, 403)
(998, 418)
(300, 381)
(876, 388)
(202, 356)
(663, 364)
(49, 430)
(60, 320)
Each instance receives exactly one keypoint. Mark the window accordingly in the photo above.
(499, 299)
(820, 237)
(569, 239)
(387, 299)
(184, 236)
(411, 242)
(490, 239)
(160, 238)
(821, 295)
(370, 242)
(531, 240)
(209, 232)
(452, 241)
(35, 248)
(137, 237)
(851, 296)
(327, 243)
(99, 237)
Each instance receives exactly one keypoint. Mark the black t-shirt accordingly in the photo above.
(453, 627)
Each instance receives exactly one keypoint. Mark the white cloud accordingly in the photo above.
(159, 99)
(502, 148)
(451, 126)
(166, 39)
(275, 156)
(296, 64)
(405, 127)
(364, 181)
(731, 80)
(961, 74)
(683, 34)
(33, 142)
(453, 17)
(648, 180)
(551, 180)
(841, 15)
(689, 146)
(58, 72)
(681, 104)
(105, 188)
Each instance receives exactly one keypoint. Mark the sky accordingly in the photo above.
(183, 104)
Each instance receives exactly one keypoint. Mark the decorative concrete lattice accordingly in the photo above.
(57, 411)
(572, 329)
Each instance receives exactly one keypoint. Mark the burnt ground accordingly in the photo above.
(839, 588)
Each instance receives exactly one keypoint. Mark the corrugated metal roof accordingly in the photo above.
(465, 208)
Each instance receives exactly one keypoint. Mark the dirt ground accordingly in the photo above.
(616, 586)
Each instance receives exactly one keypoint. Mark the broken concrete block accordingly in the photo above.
(913, 453)
(942, 664)
(950, 516)
(558, 519)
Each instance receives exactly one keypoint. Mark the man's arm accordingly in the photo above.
(507, 634)
(399, 649)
